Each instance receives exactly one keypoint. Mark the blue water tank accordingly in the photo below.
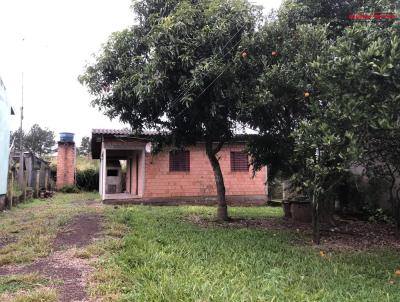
(66, 137)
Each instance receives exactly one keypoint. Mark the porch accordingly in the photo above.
(122, 169)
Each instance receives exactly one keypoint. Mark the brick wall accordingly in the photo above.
(65, 164)
(160, 182)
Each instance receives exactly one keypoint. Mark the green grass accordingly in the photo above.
(20, 282)
(34, 225)
(82, 163)
(164, 257)
(158, 254)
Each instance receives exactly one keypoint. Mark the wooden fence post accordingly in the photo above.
(37, 184)
(24, 185)
(46, 180)
(10, 194)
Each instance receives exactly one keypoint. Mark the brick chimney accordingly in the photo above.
(66, 160)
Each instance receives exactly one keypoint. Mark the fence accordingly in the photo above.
(35, 179)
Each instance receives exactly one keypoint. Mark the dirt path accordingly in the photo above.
(68, 273)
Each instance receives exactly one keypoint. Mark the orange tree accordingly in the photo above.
(356, 114)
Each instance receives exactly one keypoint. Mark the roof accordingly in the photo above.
(111, 131)
(99, 134)
(126, 132)
(16, 155)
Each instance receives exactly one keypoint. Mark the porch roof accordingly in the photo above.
(98, 136)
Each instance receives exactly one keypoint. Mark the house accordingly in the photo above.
(130, 172)
(5, 113)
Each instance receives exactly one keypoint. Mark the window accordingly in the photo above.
(179, 161)
(112, 172)
(239, 161)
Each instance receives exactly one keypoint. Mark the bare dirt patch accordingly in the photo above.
(6, 241)
(346, 235)
(67, 273)
(81, 231)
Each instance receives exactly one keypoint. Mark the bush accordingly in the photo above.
(70, 189)
(88, 179)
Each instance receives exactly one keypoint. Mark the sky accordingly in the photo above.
(50, 42)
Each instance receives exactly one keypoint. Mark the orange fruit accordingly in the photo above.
(397, 273)
(306, 94)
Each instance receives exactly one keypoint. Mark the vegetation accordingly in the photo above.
(20, 282)
(159, 253)
(31, 229)
(70, 189)
(85, 146)
(353, 113)
(33, 226)
(165, 257)
(37, 140)
(87, 180)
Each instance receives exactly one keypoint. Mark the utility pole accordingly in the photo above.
(21, 140)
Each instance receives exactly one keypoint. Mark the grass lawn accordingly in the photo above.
(33, 225)
(165, 257)
(159, 254)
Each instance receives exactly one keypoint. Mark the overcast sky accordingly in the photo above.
(50, 41)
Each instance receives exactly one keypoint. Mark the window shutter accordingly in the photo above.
(239, 161)
(179, 161)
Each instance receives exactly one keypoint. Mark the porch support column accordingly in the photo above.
(142, 176)
(104, 174)
(101, 175)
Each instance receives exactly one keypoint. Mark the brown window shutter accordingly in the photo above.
(239, 161)
(179, 160)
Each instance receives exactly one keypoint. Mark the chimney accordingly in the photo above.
(66, 160)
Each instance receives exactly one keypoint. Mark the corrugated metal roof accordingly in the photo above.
(121, 132)
(112, 131)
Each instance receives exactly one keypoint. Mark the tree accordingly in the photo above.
(381, 160)
(300, 31)
(358, 81)
(85, 147)
(184, 70)
(15, 139)
(37, 140)
(323, 153)
(281, 95)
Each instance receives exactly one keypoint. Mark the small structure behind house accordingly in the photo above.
(172, 176)
(36, 171)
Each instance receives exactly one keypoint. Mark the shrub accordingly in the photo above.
(88, 179)
(70, 189)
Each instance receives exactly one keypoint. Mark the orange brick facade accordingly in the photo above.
(65, 164)
(199, 181)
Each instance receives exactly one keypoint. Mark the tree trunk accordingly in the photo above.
(315, 219)
(392, 199)
(397, 214)
(222, 212)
